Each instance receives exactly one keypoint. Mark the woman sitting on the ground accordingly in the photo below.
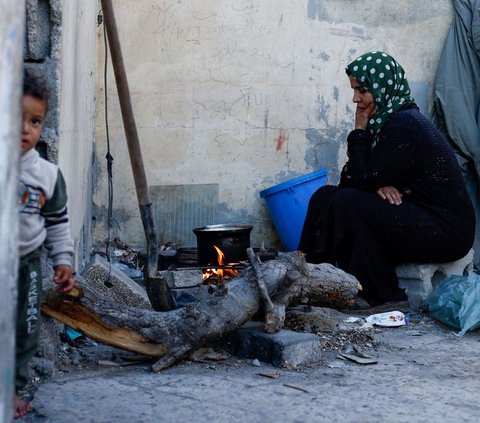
(401, 196)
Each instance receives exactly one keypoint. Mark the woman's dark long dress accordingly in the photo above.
(352, 227)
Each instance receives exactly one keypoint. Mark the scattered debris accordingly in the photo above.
(72, 334)
(271, 375)
(358, 359)
(305, 318)
(207, 354)
(343, 339)
(352, 319)
(298, 388)
(108, 363)
(336, 364)
(131, 272)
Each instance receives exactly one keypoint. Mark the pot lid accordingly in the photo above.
(224, 227)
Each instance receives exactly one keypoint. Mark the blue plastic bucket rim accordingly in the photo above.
(292, 182)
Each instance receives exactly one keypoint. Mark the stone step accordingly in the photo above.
(419, 279)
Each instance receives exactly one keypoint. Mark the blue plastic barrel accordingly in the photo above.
(288, 202)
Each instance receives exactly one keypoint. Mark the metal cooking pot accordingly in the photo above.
(232, 238)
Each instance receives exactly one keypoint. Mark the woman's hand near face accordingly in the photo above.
(391, 194)
(363, 114)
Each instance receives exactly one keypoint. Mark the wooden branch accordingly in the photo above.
(284, 294)
(254, 261)
(274, 310)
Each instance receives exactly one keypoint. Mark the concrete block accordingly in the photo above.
(182, 278)
(283, 349)
(418, 280)
(115, 284)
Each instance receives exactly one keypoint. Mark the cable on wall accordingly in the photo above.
(108, 156)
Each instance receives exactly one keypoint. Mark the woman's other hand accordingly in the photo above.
(391, 194)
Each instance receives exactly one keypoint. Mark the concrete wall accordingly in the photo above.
(247, 94)
(12, 25)
(77, 68)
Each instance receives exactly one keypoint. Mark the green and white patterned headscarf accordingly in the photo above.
(380, 74)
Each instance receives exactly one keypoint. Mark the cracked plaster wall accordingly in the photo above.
(247, 94)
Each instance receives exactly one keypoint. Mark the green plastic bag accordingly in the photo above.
(455, 301)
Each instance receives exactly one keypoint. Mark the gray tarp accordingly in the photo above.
(456, 98)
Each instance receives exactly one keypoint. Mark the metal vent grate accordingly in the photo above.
(180, 208)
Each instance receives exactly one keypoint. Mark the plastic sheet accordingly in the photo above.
(455, 301)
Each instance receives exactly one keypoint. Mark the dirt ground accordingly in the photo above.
(423, 372)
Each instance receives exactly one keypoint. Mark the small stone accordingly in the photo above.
(43, 366)
(256, 363)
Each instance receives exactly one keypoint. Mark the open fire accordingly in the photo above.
(224, 272)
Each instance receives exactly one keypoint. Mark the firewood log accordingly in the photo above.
(170, 335)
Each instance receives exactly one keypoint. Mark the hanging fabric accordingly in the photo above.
(456, 98)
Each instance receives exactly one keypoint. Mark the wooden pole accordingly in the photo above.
(157, 289)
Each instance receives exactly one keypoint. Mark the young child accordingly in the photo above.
(42, 200)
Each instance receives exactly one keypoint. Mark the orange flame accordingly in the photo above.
(220, 274)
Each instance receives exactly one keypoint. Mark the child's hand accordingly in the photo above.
(63, 276)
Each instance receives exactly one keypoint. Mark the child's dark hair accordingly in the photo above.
(35, 86)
